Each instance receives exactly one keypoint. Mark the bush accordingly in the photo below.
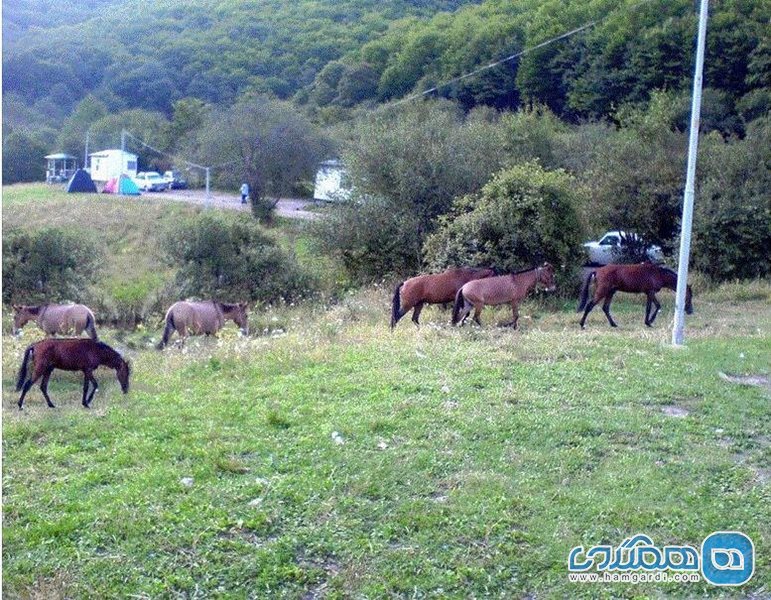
(219, 257)
(732, 212)
(524, 216)
(423, 155)
(370, 237)
(48, 265)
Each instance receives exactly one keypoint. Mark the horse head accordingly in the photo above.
(22, 315)
(237, 312)
(545, 275)
(123, 372)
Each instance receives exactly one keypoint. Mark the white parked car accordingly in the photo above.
(609, 248)
(150, 181)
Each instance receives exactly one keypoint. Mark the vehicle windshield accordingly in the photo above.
(609, 240)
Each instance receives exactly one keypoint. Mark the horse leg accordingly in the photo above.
(477, 312)
(93, 390)
(416, 312)
(515, 313)
(29, 383)
(606, 308)
(86, 383)
(656, 310)
(44, 386)
(648, 310)
(589, 307)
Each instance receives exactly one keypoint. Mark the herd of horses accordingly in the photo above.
(466, 288)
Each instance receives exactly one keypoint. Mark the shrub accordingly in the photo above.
(370, 237)
(732, 212)
(219, 257)
(48, 265)
(422, 156)
(524, 216)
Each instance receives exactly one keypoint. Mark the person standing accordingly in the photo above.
(244, 192)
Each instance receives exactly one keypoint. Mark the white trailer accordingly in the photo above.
(332, 182)
(108, 164)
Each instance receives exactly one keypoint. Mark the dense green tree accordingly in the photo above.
(525, 215)
(421, 156)
(264, 142)
(732, 214)
(72, 136)
(23, 157)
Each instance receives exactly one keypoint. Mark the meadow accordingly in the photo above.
(324, 456)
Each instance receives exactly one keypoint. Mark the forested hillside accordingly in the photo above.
(146, 54)
(608, 103)
(348, 52)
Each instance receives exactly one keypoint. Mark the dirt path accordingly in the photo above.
(287, 207)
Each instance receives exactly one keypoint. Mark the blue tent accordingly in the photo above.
(81, 183)
(127, 187)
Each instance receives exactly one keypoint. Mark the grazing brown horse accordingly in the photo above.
(202, 318)
(56, 318)
(505, 289)
(439, 288)
(645, 278)
(70, 354)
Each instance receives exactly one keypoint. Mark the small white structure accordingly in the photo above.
(332, 182)
(108, 164)
(60, 167)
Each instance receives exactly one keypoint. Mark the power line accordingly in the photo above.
(496, 63)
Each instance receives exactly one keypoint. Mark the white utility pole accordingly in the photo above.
(693, 145)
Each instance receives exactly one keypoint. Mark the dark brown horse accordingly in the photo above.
(70, 354)
(505, 289)
(439, 288)
(202, 318)
(644, 278)
(56, 318)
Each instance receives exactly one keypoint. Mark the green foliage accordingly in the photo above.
(72, 136)
(635, 175)
(23, 157)
(150, 127)
(732, 220)
(48, 265)
(421, 156)
(532, 133)
(371, 237)
(262, 141)
(523, 217)
(232, 259)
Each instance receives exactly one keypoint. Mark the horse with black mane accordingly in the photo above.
(70, 354)
(438, 288)
(644, 278)
(504, 289)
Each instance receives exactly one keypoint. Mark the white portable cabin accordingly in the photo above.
(332, 182)
(108, 164)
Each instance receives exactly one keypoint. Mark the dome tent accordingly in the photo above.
(81, 182)
(121, 185)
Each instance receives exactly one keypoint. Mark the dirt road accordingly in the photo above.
(287, 207)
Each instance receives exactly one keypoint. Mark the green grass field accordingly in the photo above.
(327, 457)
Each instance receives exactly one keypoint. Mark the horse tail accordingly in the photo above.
(456, 308)
(585, 291)
(170, 326)
(22, 378)
(396, 306)
(90, 326)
